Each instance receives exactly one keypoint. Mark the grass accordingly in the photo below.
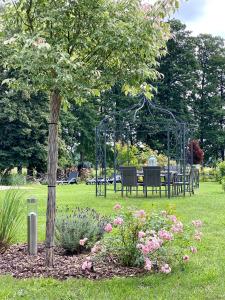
(202, 279)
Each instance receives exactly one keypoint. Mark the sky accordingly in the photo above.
(203, 16)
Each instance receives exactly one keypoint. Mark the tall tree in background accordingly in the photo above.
(73, 48)
(23, 130)
(209, 101)
(178, 68)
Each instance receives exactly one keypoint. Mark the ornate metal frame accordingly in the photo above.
(126, 123)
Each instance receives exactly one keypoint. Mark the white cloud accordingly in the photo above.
(211, 18)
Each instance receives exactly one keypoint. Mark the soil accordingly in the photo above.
(16, 262)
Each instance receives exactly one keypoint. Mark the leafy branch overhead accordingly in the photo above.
(83, 47)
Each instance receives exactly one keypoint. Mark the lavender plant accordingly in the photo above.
(78, 229)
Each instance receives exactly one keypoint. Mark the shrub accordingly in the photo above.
(78, 229)
(223, 183)
(198, 154)
(11, 213)
(13, 179)
(155, 241)
(220, 170)
(208, 174)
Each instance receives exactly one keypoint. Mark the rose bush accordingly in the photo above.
(150, 240)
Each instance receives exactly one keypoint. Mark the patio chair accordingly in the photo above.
(152, 179)
(184, 182)
(168, 180)
(129, 179)
(72, 178)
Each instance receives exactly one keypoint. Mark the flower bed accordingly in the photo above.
(135, 242)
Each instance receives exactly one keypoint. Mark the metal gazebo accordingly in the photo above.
(148, 120)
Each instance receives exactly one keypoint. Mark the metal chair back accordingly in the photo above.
(128, 176)
(152, 176)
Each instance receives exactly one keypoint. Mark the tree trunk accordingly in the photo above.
(19, 169)
(55, 103)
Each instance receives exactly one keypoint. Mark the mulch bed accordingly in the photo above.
(16, 262)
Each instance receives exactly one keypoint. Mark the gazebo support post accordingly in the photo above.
(168, 163)
(184, 159)
(96, 162)
(114, 161)
(105, 162)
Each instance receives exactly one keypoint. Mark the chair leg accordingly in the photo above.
(160, 192)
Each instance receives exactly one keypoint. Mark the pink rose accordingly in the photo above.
(177, 227)
(117, 206)
(87, 265)
(186, 258)
(198, 236)
(141, 214)
(154, 244)
(141, 234)
(108, 227)
(197, 223)
(165, 269)
(83, 241)
(96, 248)
(172, 218)
(193, 249)
(145, 249)
(118, 221)
(148, 264)
(164, 213)
(165, 235)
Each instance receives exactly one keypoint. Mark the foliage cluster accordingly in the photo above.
(138, 155)
(208, 174)
(73, 226)
(155, 241)
(220, 170)
(11, 213)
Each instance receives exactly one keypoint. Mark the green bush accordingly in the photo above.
(223, 183)
(208, 174)
(78, 224)
(13, 179)
(155, 241)
(220, 170)
(11, 213)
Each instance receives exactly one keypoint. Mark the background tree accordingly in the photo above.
(74, 48)
(208, 104)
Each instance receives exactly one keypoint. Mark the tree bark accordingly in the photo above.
(55, 103)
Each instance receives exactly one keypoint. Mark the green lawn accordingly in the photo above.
(202, 279)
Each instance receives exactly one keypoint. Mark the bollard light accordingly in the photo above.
(32, 225)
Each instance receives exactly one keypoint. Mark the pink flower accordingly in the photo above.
(139, 246)
(117, 206)
(141, 214)
(96, 248)
(186, 258)
(145, 249)
(82, 242)
(148, 264)
(197, 223)
(164, 213)
(165, 235)
(193, 249)
(177, 227)
(154, 244)
(87, 265)
(141, 234)
(173, 218)
(118, 221)
(198, 236)
(166, 269)
(108, 227)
